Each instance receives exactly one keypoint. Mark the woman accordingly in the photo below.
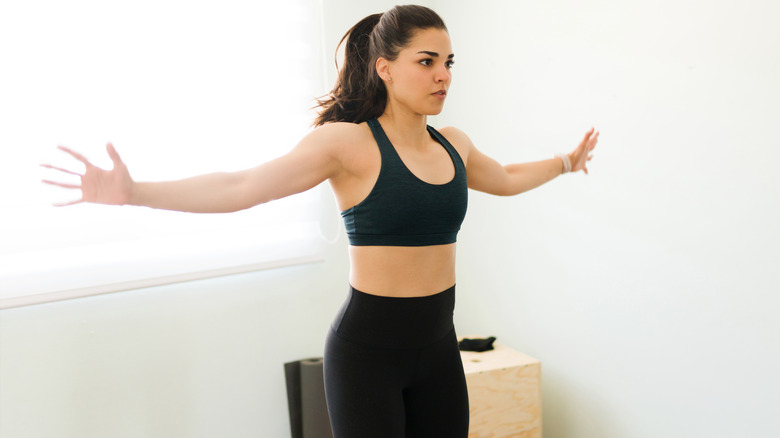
(392, 366)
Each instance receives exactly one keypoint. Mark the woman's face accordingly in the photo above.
(420, 77)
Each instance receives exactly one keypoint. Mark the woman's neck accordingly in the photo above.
(407, 129)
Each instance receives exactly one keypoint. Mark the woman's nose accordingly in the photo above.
(442, 74)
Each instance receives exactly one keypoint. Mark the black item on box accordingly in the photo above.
(478, 345)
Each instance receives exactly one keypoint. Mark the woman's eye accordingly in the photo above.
(449, 64)
(426, 62)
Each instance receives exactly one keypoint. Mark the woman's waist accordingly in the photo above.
(402, 271)
(395, 322)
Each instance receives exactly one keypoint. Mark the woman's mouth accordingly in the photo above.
(441, 94)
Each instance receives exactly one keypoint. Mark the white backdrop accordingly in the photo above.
(647, 288)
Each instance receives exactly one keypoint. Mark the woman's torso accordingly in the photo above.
(402, 271)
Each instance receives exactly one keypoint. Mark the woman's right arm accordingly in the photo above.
(315, 159)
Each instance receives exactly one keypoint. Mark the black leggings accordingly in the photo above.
(393, 370)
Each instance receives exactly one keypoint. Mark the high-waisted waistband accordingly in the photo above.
(392, 322)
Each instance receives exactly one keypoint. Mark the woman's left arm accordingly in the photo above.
(487, 175)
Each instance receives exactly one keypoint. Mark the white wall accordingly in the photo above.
(647, 288)
(198, 359)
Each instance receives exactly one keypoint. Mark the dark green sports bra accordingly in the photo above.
(403, 210)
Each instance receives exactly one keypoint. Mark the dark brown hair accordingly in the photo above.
(359, 94)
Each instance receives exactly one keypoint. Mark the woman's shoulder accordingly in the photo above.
(452, 133)
(341, 134)
(342, 129)
(458, 139)
(346, 142)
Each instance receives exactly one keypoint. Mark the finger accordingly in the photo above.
(115, 158)
(65, 204)
(49, 166)
(587, 136)
(75, 155)
(59, 184)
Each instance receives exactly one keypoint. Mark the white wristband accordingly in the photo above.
(566, 162)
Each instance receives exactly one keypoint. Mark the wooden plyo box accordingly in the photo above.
(505, 393)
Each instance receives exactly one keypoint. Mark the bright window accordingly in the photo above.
(180, 88)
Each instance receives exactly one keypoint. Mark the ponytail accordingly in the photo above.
(359, 93)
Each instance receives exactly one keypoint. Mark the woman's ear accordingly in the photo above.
(383, 69)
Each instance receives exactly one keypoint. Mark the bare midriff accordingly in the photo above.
(402, 271)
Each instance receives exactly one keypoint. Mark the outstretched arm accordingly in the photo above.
(311, 162)
(487, 175)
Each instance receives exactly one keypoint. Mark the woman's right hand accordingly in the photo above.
(98, 185)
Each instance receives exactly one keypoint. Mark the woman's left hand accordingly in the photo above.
(580, 157)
